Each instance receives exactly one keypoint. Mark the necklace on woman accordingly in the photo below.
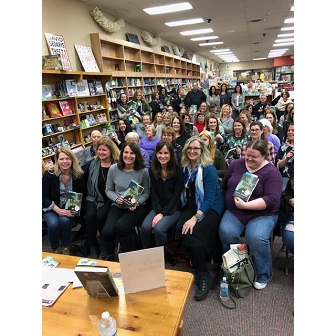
(104, 177)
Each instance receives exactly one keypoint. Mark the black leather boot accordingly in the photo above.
(204, 283)
(107, 250)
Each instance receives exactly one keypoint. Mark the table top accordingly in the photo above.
(156, 312)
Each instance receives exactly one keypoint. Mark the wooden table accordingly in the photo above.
(153, 312)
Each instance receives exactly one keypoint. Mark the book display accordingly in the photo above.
(52, 62)
(56, 117)
(246, 186)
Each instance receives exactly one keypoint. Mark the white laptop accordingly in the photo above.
(142, 269)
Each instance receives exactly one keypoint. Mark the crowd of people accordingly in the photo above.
(188, 175)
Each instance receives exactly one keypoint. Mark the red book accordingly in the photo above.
(53, 109)
(67, 107)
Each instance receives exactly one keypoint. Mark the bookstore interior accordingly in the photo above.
(76, 102)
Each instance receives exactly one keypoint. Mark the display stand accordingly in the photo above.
(96, 289)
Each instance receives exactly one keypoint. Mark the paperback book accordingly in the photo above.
(133, 193)
(53, 109)
(67, 107)
(246, 186)
(83, 88)
(71, 88)
(52, 62)
(97, 281)
(74, 202)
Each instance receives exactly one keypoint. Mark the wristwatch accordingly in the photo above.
(197, 215)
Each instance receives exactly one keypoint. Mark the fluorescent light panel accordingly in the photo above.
(283, 44)
(219, 50)
(259, 58)
(178, 7)
(285, 40)
(184, 22)
(197, 31)
(224, 53)
(286, 35)
(287, 28)
(290, 20)
(209, 43)
(204, 38)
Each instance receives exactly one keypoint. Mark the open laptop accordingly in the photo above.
(142, 269)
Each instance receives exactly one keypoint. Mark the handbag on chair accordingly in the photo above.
(239, 270)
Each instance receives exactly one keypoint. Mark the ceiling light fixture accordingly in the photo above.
(287, 28)
(283, 44)
(259, 59)
(204, 38)
(219, 50)
(197, 31)
(290, 20)
(291, 39)
(286, 35)
(168, 8)
(184, 22)
(210, 43)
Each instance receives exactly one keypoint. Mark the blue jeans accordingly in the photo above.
(59, 229)
(284, 182)
(160, 230)
(257, 233)
(288, 236)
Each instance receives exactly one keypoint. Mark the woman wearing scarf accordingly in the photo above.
(203, 205)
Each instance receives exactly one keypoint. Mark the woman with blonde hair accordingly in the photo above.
(216, 155)
(65, 175)
(226, 119)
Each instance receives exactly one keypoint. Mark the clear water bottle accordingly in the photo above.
(107, 326)
(223, 290)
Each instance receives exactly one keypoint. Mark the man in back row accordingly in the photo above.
(195, 96)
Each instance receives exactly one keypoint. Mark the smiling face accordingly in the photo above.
(103, 152)
(163, 156)
(64, 162)
(176, 125)
(149, 132)
(128, 157)
(146, 120)
(206, 140)
(122, 125)
(123, 98)
(238, 128)
(194, 151)
(213, 124)
(253, 159)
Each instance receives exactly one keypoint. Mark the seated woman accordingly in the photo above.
(149, 142)
(139, 106)
(169, 135)
(179, 127)
(65, 175)
(203, 205)
(216, 155)
(288, 231)
(212, 125)
(200, 122)
(268, 129)
(245, 117)
(166, 183)
(190, 128)
(91, 151)
(257, 217)
(123, 107)
(97, 204)
(226, 121)
(124, 127)
(158, 123)
(134, 137)
(277, 128)
(122, 218)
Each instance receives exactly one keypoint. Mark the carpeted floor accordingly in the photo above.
(267, 312)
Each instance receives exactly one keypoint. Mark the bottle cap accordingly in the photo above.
(105, 315)
(224, 279)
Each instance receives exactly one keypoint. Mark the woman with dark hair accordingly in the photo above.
(166, 182)
(122, 218)
(164, 98)
(154, 105)
(282, 102)
(118, 136)
(224, 95)
(212, 124)
(257, 217)
(237, 100)
(179, 127)
(288, 120)
(213, 98)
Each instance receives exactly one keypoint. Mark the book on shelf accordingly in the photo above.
(87, 58)
(83, 88)
(53, 109)
(133, 193)
(92, 88)
(52, 62)
(56, 46)
(74, 202)
(67, 107)
(70, 88)
(98, 85)
(97, 280)
(245, 186)
(48, 91)
(60, 89)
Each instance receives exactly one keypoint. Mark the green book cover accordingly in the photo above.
(133, 193)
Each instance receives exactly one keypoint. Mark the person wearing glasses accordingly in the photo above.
(203, 205)
(256, 132)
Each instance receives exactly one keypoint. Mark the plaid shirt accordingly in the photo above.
(270, 155)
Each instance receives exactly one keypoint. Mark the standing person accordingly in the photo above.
(258, 109)
(203, 205)
(166, 183)
(268, 129)
(155, 105)
(281, 104)
(179, 127)
(195, 96)
(119, 135)
(139, 106)
(225, 117)
(134, 137)
(257, 217)
(237, 100)
(216, 155)
(285, 157)
(91, 151)
(123, 107)
(150, 141)
(65, 175)
(224, 95)
(121, 218)
(164, 98)
(213, 98)
(140, 128)
(178, 103)
(97, 204)
(169, 135)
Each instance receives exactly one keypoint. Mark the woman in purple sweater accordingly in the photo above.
(150, 141)
(258, 216)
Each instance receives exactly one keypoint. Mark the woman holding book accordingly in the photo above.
(203, 205)
(166, 182)
(66, 175)
(122, 218)
(97, 204)
(258, 216)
